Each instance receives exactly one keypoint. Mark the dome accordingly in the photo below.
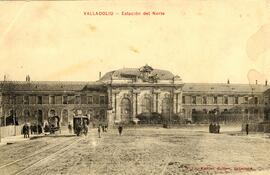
(144, 73)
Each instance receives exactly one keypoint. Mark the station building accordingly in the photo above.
(121, 95)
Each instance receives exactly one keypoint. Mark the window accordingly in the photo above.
(194, 100)
(77, 99)
(96, 99)
(183, 99)
(26, 100)
(102, 99)
(246, 99)
(52, 100)
(65, 100)
(215, 99)
(39, 99)
(89, 100)
(236, 100)
(71, 99)
(256, 100)
(204, 100)
(225, 99)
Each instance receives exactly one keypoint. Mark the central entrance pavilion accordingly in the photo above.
(133, 91)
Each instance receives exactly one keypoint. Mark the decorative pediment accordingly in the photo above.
(146, 74)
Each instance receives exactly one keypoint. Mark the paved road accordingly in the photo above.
(139, 151)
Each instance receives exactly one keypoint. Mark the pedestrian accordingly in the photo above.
(103, 128)
(25, 131)
(218, 128)
(211, 128)
(106, 127)
(120, 129)
(99, 130)
(247, 128)
(69, 128)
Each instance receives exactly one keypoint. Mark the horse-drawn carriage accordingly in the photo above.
(54, 124)
(80, 125)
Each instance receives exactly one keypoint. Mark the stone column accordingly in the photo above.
(134, 105)
(174, 103)
(179, 103)
(158, 110)
(154, 102)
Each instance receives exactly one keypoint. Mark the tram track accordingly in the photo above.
(29, 161)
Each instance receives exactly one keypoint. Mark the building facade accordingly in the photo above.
(122, 95)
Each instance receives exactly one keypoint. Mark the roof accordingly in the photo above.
(45, 85)
(135, 72)
(223, 87)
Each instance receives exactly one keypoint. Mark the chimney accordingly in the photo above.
(27, 78)
(265, 82)
(99, 75)
(256, 81)
(228, 81)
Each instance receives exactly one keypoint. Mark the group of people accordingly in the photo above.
(214, 128)
(33, 129)
(104, 128)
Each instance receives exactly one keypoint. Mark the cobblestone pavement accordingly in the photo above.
(140, 151)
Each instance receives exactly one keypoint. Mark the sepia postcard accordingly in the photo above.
(135, 87)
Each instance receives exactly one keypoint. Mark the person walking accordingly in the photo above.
(218, 128)
(25, 131)
(99, 130)
(247, 128)
(120, 129)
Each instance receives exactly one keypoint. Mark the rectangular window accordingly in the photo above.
(215, 99)
(102, 99)
(89, 100)
(204, 100)
(225, 99)
(183, 99)
(26, 100)
(96, 99)
(77, 99)
(52, 99)
(256, 100)
(236, 100)
(193, 99)
(65, 100)
(39, 99)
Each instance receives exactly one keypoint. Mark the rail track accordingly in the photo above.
(19, 166)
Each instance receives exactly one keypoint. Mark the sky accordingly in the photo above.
(202, 41)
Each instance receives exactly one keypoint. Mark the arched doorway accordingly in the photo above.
(165, 107)
(40, 117)
(64, 118)
(102, 115)
(146, 105)
(26, 116)
(125, 110)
